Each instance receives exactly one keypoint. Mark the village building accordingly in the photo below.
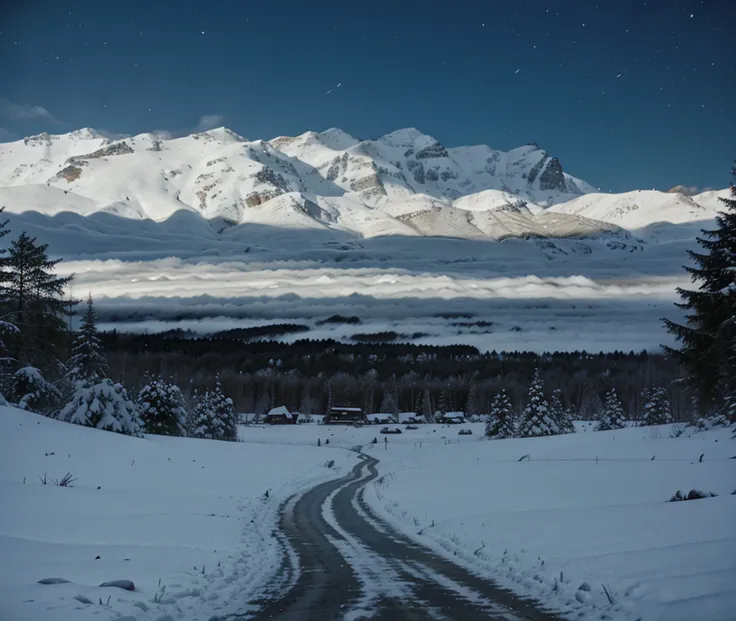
(280, 416)
(344, 416)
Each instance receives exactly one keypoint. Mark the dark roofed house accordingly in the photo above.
(280, 416)
(344, 416)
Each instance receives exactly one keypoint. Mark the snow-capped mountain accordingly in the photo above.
(403, 183)
(220, 174)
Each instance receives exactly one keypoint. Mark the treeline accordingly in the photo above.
(311, 376)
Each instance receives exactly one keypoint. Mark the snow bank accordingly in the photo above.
(188, 513)
(580, 508)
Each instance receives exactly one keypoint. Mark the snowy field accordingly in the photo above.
(184, 519)
(584, 508)
(589, 507)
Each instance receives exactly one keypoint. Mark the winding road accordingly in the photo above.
(352, 566)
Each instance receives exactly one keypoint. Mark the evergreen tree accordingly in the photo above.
(657, 409)
(472, 406)
(224, 414)
(103, 405)
(7, 326)
(161, 408)
(87, 362)
(537, 419)
(560, 414)
(33, 297)
(201, 419)
(612, 416)
(388, 402)
(213, 417)
(707, 337)
(501, 423)
(33, 393)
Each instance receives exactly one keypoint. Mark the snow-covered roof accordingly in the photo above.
(280, 411)
(342, 409)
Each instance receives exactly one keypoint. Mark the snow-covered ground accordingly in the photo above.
(588, 507)
(185, 519)
(584, 508)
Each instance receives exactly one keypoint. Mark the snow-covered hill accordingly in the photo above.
(641, 208)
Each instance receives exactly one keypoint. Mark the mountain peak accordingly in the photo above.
(225, 134)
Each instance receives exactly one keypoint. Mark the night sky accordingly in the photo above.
(628, 94)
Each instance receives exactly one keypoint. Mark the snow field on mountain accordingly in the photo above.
(188, 513)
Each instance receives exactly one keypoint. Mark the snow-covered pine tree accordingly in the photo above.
(560, 414)
(201, 420)
(33, 393)
(501, 421)
(612, 416)
(87, 362)
(536, 419)
(161, 408)
(224, 414)
(708, 337)
(657, 409)
(103, 405)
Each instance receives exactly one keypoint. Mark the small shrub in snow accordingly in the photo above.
(33, 393)
(103, 405)
(712, 422)
(612, 416)
(501, 423)
(161, 408)
(693, 494)
(657, 408)
(537, 419)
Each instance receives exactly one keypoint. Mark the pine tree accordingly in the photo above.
(33, 393)
(560, 414)
(224, 414)
(657, 409)
(472, 407)
(213, 416)
(161, 408)
(612, 416)
(707, 337)
(201, 419)
(103, 405)
(388, 402)
(87, 362)
(7, 326)
(33, 297)
(537, 419)
(443, 402)
(501, 423)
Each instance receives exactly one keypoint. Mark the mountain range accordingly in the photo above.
(404, 183)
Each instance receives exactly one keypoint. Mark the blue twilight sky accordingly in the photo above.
(628, 94)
